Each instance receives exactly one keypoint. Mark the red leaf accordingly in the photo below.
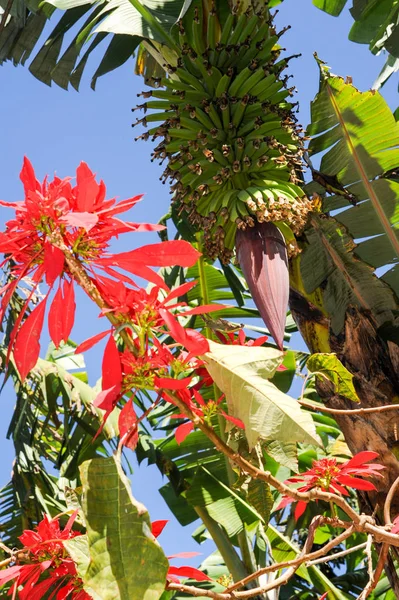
(27, 346)
(395, 528)
(106, 399)
(169, 383)
(234, 420)
(69, 310)
(300, 509)
(357, 484)
(324, 596)
(139, 227)
(127, 422)
(92, 341)
(205, 308)
(361, 458)
(183, 431)
(55, 318)
(165, 254)
(53, 263)
(11, 573)
(184, 555)
(189, 572)
(28, 178)
(111, 365)
(121, 207)
(181, 290)
(85, 220)
(157, 527)
(87, 188)
(194, 342)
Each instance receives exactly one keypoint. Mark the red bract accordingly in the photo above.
(175, 572)
(206, 410)
(50, 568)
(127, 424)
(239, 339)
(330, 476)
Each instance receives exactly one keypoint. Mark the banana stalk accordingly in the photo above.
(228, 136)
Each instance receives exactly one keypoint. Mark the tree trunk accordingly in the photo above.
(374, 364)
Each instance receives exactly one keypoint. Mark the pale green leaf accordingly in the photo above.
(285, 454)
(243, 373)
(330, 367)
(124, 560)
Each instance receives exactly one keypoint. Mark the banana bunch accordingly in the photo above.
(227, 128)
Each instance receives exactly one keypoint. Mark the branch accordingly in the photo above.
(331, 557)
(291, 567)
(305, 555)
(352, 411)
(388, 502)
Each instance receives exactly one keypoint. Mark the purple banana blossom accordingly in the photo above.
(262, 255)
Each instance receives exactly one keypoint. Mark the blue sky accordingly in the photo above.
(58, 129)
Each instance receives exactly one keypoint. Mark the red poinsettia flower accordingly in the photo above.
(57, 217)
(50, 568)
(175, 572)
(331, 476)
(204, 409)
(143, 308)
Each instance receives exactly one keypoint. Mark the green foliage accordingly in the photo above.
(88, 24)
(121, 560)
(359, 138)
(376, 24)
(330, 367)
(243, 374)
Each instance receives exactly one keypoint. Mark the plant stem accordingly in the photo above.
(224, 545)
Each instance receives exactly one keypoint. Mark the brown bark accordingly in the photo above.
(374, 364)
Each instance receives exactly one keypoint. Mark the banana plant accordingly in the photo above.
(219, 107)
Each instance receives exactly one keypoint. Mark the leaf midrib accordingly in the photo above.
(362, 173)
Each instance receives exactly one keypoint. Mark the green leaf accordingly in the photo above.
(332, 7)
(376, 24)
(137, 20)
(124, 561)
(285, 454)
(359, 138)
(261, 498)
(222, 504)
(243, 374)
(330, 367)
(329, 262)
